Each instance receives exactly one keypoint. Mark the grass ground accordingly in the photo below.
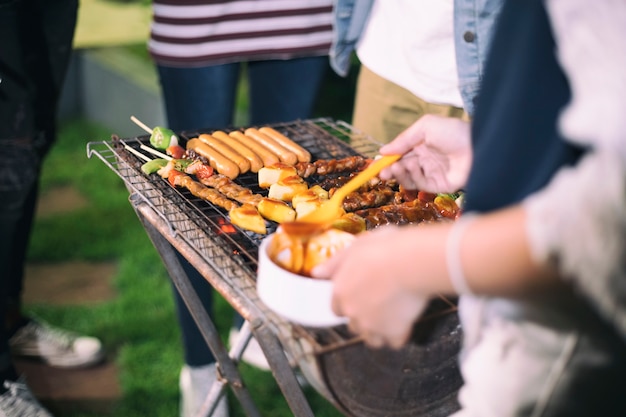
(138, 327)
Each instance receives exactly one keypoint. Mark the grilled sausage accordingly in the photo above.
(227, 151)
(285, 155)
(268, 157)
(219, 162)
(256, 163)
(302, 154)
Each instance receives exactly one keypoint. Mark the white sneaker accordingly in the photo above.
(55, 347)
(18, 401)
(195, 383)
(253, 355)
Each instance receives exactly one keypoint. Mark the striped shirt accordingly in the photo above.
(208, 32)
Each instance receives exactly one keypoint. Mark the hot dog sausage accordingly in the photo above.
(227, 151)
(219, 162)
(256, 163)
(302, 154)
(285, 155)
(268, 157)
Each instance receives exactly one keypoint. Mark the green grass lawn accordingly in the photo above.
(138, 327)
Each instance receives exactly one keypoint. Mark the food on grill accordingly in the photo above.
(332, 166)
(287, 187)
(314, 192)
(175, 151)
(276, 210)
(309, 200)
(247, 217)
(267, 156)
(227, 151)
(304, 207)
(153, 165)
(415, 211)
(302, 154)
(351, 223)
(284, 154)
(300, 256)
(179, 179)
(256, 163)
(219, 162)
(231, 189)
(162, 138)
(359, 200)
(269, 175)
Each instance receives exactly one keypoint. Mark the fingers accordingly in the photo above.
(405, 141)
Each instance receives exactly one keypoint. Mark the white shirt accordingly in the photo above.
(410, 43)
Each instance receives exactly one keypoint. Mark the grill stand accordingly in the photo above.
(164, 240)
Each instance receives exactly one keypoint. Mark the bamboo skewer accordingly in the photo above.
(155, 152)
(140, 124)
(137, 153)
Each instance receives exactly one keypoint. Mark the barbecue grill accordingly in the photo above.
(422, 379)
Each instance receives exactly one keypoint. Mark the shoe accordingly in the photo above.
(195, 384)
(56, 347)
(253, 355)
(18, 401)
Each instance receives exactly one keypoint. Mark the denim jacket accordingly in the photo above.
(473, 21)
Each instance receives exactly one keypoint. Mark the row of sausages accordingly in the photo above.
(237, 152)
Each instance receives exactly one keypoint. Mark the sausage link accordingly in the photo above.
(302, 154)
(285, 155)
(219, 162)
(227, 151)
(256, 163)
(268, 157)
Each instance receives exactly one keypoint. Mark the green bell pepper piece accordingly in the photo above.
(162, 138)
(153, 166)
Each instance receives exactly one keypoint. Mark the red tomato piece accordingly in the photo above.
(171, 178)
(204, 171)
(175, 151)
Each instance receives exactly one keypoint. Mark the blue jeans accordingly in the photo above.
(205, 98)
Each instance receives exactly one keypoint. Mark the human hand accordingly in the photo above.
(437, 155)
(369, 287)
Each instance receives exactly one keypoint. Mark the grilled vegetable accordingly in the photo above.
(163, 138)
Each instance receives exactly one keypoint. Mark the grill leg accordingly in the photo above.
(228, 372)
(206, 326)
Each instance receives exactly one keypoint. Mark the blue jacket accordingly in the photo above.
(473, 22)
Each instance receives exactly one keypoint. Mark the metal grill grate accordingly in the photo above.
(229, 250)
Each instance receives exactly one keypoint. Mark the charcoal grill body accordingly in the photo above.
(421, 379)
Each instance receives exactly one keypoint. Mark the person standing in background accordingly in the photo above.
(417, 57)
(201, 49)
(36, 49)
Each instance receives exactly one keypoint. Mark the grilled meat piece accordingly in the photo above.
(332, 166)
(405, 213)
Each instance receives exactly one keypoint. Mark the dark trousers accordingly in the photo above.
(35, 49)
(196, 98)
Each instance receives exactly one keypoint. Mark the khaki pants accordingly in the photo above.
(383, 109)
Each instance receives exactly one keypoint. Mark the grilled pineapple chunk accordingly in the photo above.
(247, 217)
(272, 174)
(287, 187)
(276, 210)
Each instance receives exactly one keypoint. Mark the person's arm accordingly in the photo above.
(578, 222)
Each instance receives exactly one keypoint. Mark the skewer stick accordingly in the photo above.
(155, 152)
(140, 124)
(137, 153)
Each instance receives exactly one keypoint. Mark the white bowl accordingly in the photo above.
(297, 298)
